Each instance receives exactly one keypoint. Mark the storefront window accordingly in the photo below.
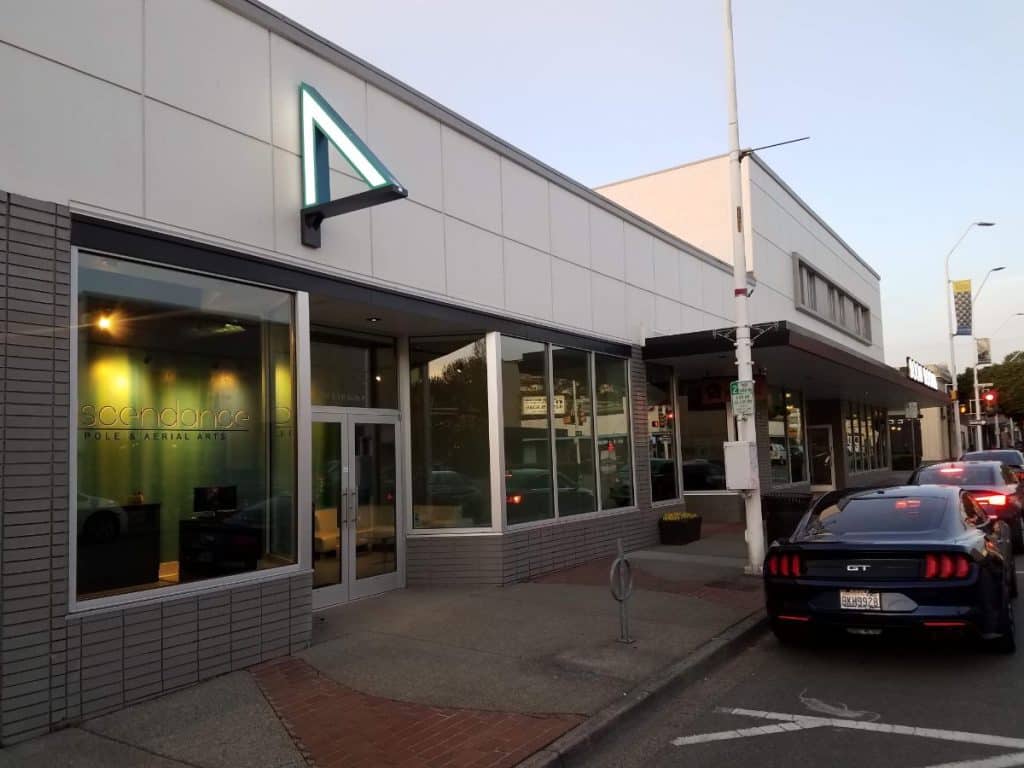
(574, 431)
(450, 439)
(527, 416)
(613, 433)
(704, 429)
(867, 442)
(185, 428)
(662, 419)
(785, 436)
(352, 373)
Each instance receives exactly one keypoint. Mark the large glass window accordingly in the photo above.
(352, 373)
(451, 485)
(785, 436)
(867, 438)
(704, 429)
(185, 428)
(574, 431)
(527, 416)
(661, 417)
(614, 450)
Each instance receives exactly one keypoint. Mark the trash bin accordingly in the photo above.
(782, 511)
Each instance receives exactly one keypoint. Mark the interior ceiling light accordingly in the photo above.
(373, 319)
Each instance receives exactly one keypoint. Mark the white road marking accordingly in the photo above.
(1003, 761)
(964, 737)
(824, 708)
(764, 730)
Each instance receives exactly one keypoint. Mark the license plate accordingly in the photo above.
(860, 600)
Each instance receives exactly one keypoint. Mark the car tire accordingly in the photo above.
(1006, 642)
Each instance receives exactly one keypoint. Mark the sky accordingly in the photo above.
(915, 110)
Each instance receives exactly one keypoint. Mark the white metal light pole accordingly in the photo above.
(978, 433)
(957, 444)
(746, 430)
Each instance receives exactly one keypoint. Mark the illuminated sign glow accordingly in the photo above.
(918, 372)
(320, 125)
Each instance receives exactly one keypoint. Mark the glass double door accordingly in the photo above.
(356, 530)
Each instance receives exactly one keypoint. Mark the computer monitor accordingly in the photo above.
(216, 498)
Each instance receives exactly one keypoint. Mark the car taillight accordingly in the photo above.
(788, 564)
(515, 498)
(946, 566)
(995, 500)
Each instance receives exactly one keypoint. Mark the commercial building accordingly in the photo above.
(226, 406)
(824, 391)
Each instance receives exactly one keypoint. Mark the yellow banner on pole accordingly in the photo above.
(962, 307)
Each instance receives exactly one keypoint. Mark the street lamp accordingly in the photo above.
(957, 445)
(977, 389)
(1003, 324)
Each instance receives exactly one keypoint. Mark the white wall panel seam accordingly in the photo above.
(51, 60)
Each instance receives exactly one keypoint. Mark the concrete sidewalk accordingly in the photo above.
(482, 676)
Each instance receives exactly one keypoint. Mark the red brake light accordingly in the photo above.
(515, 498)
(773, 565)
(963, 567)
(784, 564)
(931, 566)
(795, 564)
(951, 470)
(996, 500)
(945, 566)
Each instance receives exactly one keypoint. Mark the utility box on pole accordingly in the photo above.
(741, 466)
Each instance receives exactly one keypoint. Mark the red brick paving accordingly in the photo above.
(334, 726)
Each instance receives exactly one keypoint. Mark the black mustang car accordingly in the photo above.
(910, 557)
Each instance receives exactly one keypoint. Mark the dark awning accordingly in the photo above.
(793, 357)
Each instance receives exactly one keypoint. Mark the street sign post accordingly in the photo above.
(913, 411)
(742, 395)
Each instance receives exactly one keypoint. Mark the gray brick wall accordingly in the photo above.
(56, 667)
(524, 554)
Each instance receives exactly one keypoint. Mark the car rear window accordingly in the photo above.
(962, 475)
(1007, 457)
(887, 514)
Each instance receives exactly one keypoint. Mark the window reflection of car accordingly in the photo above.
(528, 495)
(99, 519)
(663, 479)
(777, 453)
(620, 491)
(453, 489)
(703, 475)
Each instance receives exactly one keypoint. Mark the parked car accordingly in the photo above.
(997, 488)
(908, 558)
(1014, 459)
(703, 475)
(528, 495)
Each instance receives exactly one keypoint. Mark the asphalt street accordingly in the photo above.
(852, 702)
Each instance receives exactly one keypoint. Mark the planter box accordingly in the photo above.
(679, 531)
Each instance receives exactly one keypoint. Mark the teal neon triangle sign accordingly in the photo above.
(320, 126)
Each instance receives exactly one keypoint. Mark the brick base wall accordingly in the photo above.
(54, 666)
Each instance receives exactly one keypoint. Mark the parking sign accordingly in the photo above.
(742, 395)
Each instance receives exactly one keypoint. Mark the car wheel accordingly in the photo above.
(1006, 642)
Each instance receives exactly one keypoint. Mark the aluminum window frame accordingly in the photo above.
(499, 425)
(806, 299)
(302, 448)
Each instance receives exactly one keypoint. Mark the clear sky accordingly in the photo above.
(915, 109)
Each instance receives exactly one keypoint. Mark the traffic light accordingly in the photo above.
(990, 399)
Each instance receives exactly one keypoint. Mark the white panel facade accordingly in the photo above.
(411, 142)
(99, 162)
(571, 290)
(472, 181)
(524, 206)
(527, 281)
(474, 264)
(187, 41)
(408, 245)
(570, 226)
(186, 121)
(607, 244)
(99, 37)
(228, 176)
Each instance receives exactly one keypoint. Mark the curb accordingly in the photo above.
(585, 736)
